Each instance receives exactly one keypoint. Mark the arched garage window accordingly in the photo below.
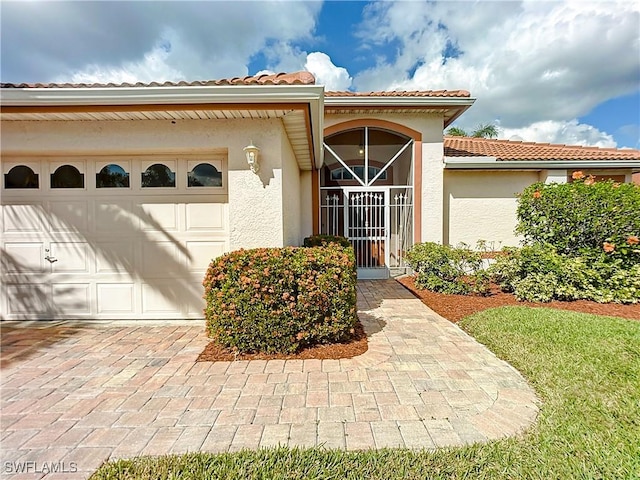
(158, 175)
(21, 176)
(112, 176)
(67, 176)
(204, 175)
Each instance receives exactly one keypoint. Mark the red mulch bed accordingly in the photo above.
(356, 346)
(456, 307)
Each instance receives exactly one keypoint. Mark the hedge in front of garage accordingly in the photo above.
(281, 300)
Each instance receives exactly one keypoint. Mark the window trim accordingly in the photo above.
(11, 166)
(79, 166)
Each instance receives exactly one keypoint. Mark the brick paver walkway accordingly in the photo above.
(77, 394)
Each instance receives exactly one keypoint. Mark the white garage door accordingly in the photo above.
(110, 238)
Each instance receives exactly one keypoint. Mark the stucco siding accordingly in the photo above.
(255, 200)
(482, 206)
(306, 204)
(290, 195)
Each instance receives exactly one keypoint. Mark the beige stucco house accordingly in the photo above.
(115, 198)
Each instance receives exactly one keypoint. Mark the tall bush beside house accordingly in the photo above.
(280, 300)
(581, 242)
(584, 215)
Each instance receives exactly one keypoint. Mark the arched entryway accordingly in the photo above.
(367, 195)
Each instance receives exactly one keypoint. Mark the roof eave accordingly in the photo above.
(492, 163)
(399, 101)
(310, 95)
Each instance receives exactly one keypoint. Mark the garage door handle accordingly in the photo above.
(49, 258)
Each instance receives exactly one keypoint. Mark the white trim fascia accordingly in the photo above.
(399, 101)
(53, 96)
(491, 163)
(316, 112)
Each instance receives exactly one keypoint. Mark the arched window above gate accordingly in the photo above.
(366, 195)
(367, 157)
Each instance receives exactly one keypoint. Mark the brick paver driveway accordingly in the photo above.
(76, 394)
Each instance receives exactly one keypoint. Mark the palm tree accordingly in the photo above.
(486, 130)
(456, 132)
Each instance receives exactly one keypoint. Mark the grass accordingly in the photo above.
(585, 368)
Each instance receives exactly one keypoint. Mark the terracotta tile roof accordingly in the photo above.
(530, 151)
(424, 93)
(296, 78)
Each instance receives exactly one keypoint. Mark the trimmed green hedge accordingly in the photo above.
(280, 300)
(446, 269)
(326, 240)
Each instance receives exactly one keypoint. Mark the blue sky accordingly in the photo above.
(546, 71)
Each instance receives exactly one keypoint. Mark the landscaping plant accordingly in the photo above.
(446, 269)
(280, 300)
(581, 242)
(583, 215)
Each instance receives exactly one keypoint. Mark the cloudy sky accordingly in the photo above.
(549, 71)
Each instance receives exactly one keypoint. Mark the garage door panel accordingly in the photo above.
(28, 299)
(115, 257)
(201, 253)
(71, 257)
(74, 298)
(160, 298)
(69, 216)
(24, 258)
(116, 298)
(160, 216)
(205, 217)
(114, 218)
(195, 307)
(23, 218)
(161, 259)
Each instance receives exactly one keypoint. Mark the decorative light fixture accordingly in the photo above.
(251, 151)
(361, 150)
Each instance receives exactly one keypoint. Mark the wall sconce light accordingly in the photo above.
(251, 151)
(361, 150)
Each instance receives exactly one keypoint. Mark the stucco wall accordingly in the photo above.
(290, 194)
(306, 204)
(482, 206)
(255, 201)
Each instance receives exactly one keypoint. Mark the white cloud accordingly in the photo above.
(525, 62)
(326, 73)
(568, 133)
(154, 66)
(116, 40)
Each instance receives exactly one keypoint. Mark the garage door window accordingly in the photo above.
(67, 176)
(112, 176)
(158, 175)
(205, 175)
(21, 176)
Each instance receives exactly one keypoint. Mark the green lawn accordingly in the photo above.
(585, 368)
